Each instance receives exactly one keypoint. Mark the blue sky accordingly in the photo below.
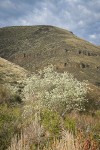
(79, 16)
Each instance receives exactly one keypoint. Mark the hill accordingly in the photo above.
(33, 47)
(11, 74)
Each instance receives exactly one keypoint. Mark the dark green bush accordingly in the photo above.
(15, 99)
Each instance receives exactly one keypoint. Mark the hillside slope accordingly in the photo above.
(34, 47)
(11, 74)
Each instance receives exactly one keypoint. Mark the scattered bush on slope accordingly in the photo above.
(57, 91)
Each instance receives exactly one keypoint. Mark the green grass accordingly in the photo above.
(10, 116)
(51, 122)
(9, 120)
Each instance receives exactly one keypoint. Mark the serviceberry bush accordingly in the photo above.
(56, 91)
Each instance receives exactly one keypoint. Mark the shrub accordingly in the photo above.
(15, 99)
(56, 91)
(5, 94)
(8, 96)
(93, 101)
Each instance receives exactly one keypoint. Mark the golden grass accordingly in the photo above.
(10, 72)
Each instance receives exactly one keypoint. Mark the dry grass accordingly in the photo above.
(10, 72)
(34, 137)
(30, 137)
(67, 142)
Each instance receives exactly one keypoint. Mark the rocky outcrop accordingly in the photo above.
(87, 53)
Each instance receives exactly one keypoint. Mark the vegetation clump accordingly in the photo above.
(9, 96)
(10, 114)
(57, 91)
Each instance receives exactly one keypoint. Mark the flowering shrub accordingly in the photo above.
(57, 91)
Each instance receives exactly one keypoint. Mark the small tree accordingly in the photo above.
(57, 91)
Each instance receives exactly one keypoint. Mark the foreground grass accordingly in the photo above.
(59, 113)
(75, 132)
(9, 120)
(10, 116)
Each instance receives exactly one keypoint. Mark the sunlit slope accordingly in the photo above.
(11, 74)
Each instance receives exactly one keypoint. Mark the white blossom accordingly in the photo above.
(53, 90)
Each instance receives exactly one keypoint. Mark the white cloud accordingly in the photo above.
(92, 36)
(36, 16)
(79, 16)
(81, 23)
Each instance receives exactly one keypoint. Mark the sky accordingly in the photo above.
(82, 17)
